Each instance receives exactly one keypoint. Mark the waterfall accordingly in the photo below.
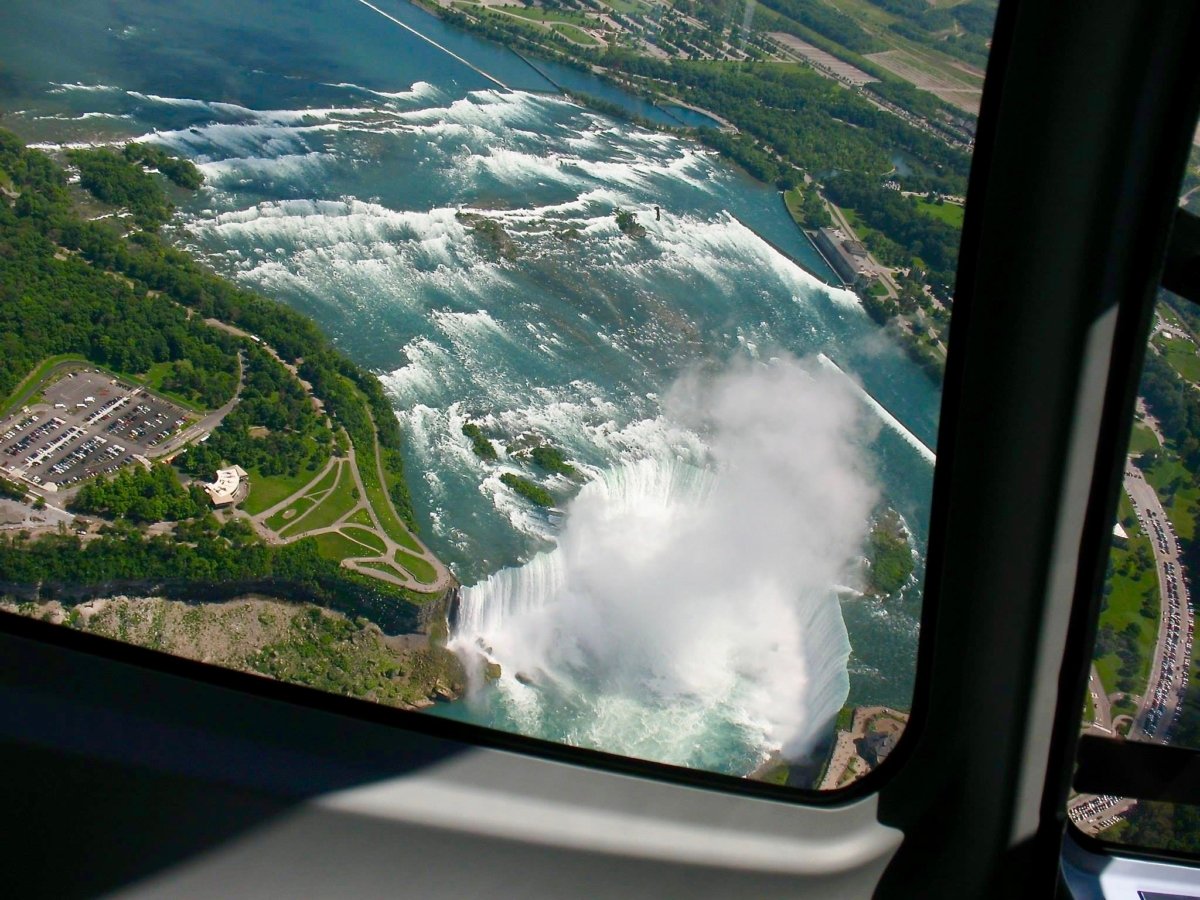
(888, 419)
(688, 612)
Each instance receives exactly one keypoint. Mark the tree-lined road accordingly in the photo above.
(1173, 646)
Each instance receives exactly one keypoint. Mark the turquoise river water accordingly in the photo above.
(686, 600)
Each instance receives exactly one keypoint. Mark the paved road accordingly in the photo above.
(443, 577)
(1102, 720)
(207, 423)
(1173, 648)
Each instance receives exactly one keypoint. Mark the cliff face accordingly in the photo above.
(393, 616)
(294, 642)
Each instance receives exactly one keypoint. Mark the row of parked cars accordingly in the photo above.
(1178, 624)
(36, 434)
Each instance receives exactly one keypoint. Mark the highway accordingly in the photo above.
(1156, 714)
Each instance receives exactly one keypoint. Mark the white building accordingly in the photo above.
(231, 486)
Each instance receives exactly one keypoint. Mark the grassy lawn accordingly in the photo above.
(381, 503)
(362, 517)
(947, 212)
(23, 391)
(289, 513)
(862, 230)
(336, 504)
(1106, 668)
(384, 567)
(1130, 585)
(1141, 440)
(332, 545)
(628, 7)
(578, 35)
(537, 14)
(1181, 356)
(153, 379)
(1170, 317)
(368, 538)
(1179, 495)
(326, 483)
(420, 569)
(1126, 515)
(791, 199)
(1089, 709)
(267, 490)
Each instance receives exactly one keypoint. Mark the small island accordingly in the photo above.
(552, 459)
(489, 233)
(628, 223)
(481, 446)
(889, 562)
(531, 491)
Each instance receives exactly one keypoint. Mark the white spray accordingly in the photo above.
(685, 605)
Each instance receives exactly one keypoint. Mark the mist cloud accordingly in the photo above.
(684, 601)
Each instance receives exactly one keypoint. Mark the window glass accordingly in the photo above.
(1143, 676)
(570, 368)
(1148, 824)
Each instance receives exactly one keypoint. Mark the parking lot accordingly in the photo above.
(87, 423)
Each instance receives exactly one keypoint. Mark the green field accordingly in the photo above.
(23, 391)
(267, 490)
(336, 504)
(538, 14)
(860, 228)
(381, 503)
(1170, 317)
(362, 517)
(363, 536)
(578, 35)
(281, 519)
(289, 514)
(791, 199)
(1131, 584)
(628, 7)
(1181, 356)
(384, 567)
(153, 379)
(865, 13)
(1142, 439)
(332, 545)
(1177, 490)
(949, 213)
(421, 570)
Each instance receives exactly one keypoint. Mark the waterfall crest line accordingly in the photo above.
(429, 40)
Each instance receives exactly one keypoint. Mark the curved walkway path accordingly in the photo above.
(442, 577)
(363, 564)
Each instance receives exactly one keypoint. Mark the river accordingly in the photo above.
(338, 147)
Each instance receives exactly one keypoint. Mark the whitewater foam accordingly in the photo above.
(694, 600)
(420, 90)
(66, 88)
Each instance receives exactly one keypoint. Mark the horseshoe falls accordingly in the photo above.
(682, 603)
